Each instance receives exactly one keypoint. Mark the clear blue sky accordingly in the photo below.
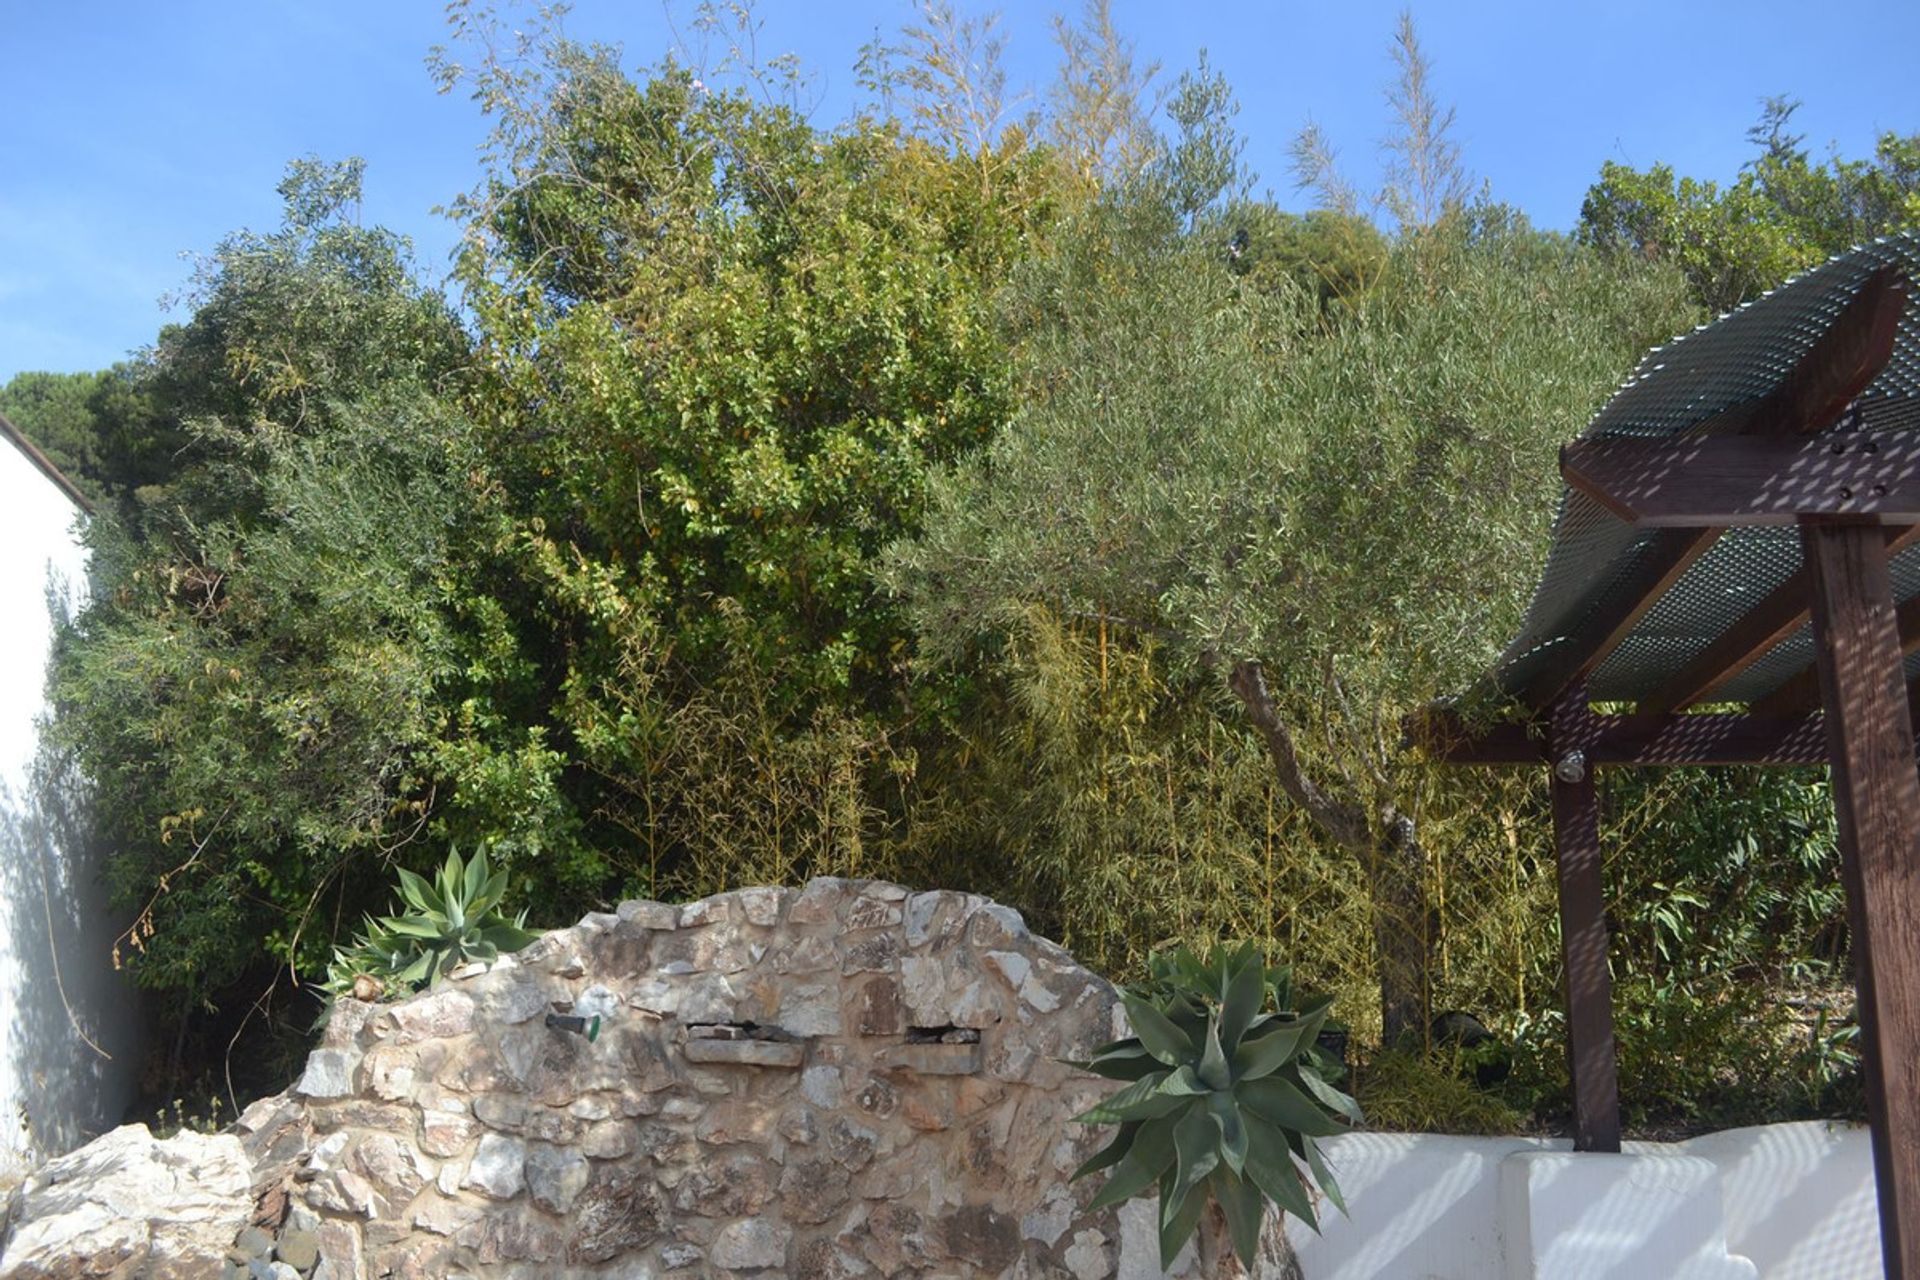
(137, 134)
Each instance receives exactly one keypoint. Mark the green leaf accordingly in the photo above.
(1323, 1175)
(1179, 1215)
(1241, 1002)
(1109, 1155)
(1275, 1046)
(1129, 1178)
(1245, 1210)
(1213, 1059)
(1327, 1094)
(1196, 1147)
(1184, 1083)
(1279, 1103)
(1233, 1133)
(1162, 1039)
(1140, 1100)
(1130, 1062)
(1270, 1166)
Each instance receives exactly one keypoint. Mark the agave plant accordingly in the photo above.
(443, 924)
(1224, 1098)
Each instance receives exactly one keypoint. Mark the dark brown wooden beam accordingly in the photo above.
(1876, 795)
(1836, 368)
(1663, 742)
(1583, 928)
(1800, 692)
(1781, 613)
(1701, 482)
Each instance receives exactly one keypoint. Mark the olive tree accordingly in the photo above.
(1337, 520)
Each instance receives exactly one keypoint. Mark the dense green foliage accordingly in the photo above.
(1010, 503)
(1783, 214)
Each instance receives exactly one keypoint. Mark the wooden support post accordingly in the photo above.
(1583, 926)
(1876, 796)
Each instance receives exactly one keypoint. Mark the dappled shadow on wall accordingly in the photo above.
(70, 1026)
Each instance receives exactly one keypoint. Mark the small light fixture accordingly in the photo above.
(588, 1027)
(1571, 767)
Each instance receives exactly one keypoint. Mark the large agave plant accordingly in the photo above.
(1225, 1095)
(444, 923)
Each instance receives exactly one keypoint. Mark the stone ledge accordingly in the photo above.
(934, 1059)
(785, 1054)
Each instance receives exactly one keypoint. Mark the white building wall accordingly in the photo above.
(56, 931)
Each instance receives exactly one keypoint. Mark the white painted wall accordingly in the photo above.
(56, 931)
(1795, 1201)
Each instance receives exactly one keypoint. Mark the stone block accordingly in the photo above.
(933, 1059)
(783, 1055)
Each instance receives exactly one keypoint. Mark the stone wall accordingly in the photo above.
(843, 1081)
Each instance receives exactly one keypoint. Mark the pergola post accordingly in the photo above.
(1876, 797)
(1583, 926)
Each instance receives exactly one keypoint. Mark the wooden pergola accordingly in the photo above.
(1741, 530)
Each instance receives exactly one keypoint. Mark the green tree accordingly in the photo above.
(1338, 524)
(723, 351)
(51, 409)
(1783, 214)
(293, 668)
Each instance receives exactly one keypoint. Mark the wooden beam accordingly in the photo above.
(1777, 616)
(1876, 795)
(1702, 482)
(1836, 368)
(1583, 928)
(1799, 693)
(1657, 742)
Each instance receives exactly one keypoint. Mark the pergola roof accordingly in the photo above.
(1741, 524)
(1722, 379)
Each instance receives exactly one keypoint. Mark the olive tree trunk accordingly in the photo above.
(1385, 844)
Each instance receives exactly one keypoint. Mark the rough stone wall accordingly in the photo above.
(848, 1080)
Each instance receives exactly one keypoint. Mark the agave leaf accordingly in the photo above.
(1130, 1063)
(1185, 1083)
(1240, 1002)
(1196, 1148)
(1109, 1155)
(475, 878)
(1278, 1102)
(1240, 1198)
(1179, 1215)
(1326, 1093)
(1233, 1133)
(1161, 1037)
(1214, 1071)
(1270, 1166)
(419, 894)
(507, 937)
(1323, 1175)
(1264, 1054)
(1141, 1096)
(411, 927)
(417, 972)
(1129, 1178)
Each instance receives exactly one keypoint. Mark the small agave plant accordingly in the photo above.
(443, 924)
(1224, 1098)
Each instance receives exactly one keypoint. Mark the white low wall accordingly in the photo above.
(56, 931)
(1777, 1202)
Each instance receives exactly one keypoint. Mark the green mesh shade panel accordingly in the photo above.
(1737, 359)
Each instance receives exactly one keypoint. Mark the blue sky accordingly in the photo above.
(136, 135)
